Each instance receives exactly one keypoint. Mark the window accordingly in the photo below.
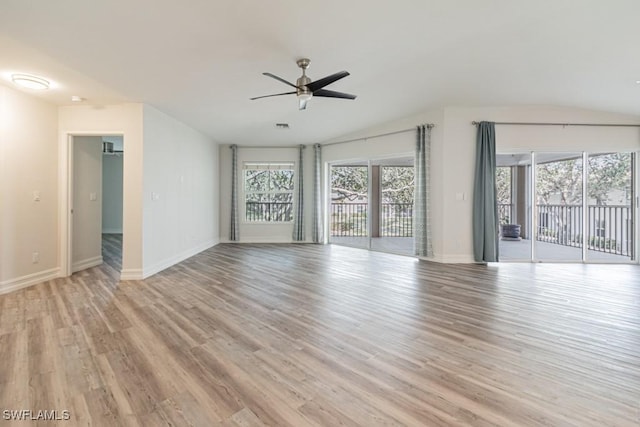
(268, 191)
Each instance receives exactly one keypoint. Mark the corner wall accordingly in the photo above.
(180, 192)
(28, 165)
(400, 144)
(262, 232)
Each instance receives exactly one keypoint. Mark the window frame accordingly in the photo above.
(268, 166)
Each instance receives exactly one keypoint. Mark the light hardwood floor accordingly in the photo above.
(299, 335)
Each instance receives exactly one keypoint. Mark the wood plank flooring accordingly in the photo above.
(306, 335)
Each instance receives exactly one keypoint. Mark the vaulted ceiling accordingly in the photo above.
(201, 60)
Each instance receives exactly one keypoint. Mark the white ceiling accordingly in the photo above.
(201, 60)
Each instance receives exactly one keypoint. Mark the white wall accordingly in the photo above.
(28, 164)
(112, 167)
(87, 202)
(180, 197)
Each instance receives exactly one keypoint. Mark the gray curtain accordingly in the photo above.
(485, 207)
(233, 232)
(422, 226)
(317, 234)
(298, 221)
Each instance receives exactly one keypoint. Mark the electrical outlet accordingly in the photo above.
(35, 257)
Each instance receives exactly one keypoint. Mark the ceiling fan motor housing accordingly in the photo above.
(303, 81)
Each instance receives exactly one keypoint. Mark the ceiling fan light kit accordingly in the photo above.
(305, 88)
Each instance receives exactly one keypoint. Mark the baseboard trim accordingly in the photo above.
(265, 240)
(131, 274)
(86, 263)
(450, 259)
(28, 280)
(164, 264)
(112, 231)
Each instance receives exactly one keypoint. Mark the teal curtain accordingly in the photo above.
(317, 231)
(233, 233)
(421, 228)
(485, 206)
(298, 220)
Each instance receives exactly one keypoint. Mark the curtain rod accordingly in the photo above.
(364, 138)
(561, 124)
(268, 146)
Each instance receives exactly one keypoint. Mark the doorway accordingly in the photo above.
(371, 204)
(95, 202)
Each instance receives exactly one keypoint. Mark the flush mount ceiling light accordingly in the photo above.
(30, 82)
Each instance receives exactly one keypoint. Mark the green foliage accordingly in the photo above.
(602, 243)
(609, 172)
(398, 183)
(349, 183)
(562, 178)
(503, 185)
(269, 194)
(349, 186)
(263, 181)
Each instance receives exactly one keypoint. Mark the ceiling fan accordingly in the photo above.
(305, 88)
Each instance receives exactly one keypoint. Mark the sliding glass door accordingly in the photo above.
(371, 205)
(349, 206)
(392, 200)
(559, 206)
(583, 207)
(610, 209)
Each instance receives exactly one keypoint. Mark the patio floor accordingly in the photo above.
(521, 251)
(394, 245)
(509, 250)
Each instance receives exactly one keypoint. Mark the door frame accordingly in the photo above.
(66, 199)
(533, 216)
(368, 162)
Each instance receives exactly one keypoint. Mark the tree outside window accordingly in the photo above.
(268, 189)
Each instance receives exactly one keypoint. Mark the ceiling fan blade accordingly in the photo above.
(319, 84)
(277, 94)
(333, 94)
(280, 79)
(302, 104)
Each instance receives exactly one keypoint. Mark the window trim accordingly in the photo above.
(268, 165)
